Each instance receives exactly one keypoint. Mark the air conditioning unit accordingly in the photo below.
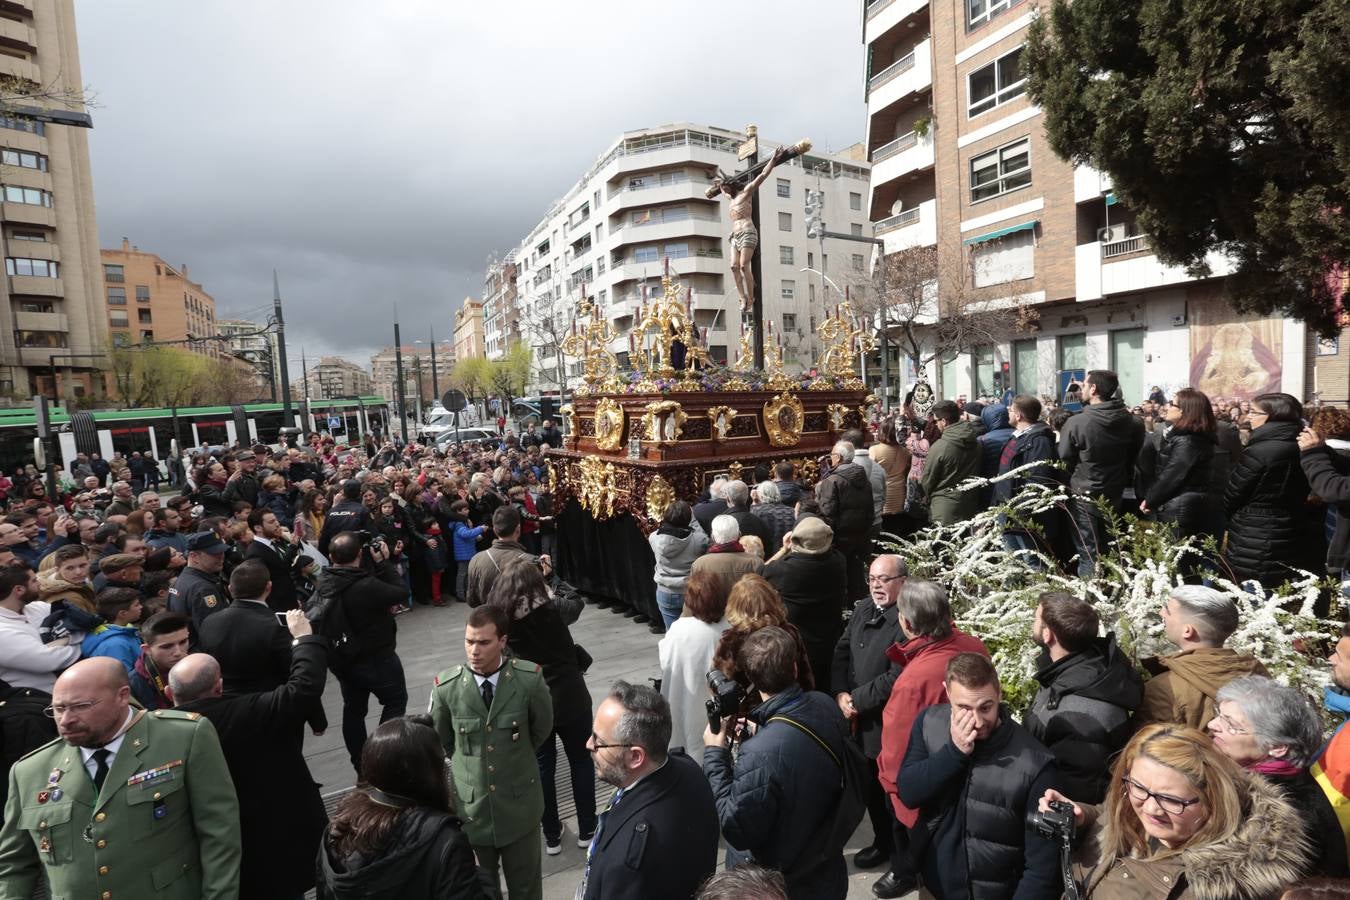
(1112, 233)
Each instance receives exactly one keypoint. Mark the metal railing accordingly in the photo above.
(886, 151)
(671, 220)
(708, 253)
(901, 65)
(899, 220)
(1120, 248)
(876, 6)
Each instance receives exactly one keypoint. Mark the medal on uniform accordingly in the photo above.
(160, 809)
(43, 796)
(57, 794)
(53, 778)
(45, 845)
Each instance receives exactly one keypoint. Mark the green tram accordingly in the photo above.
(107, 431)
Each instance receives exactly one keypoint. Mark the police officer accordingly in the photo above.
(347, 514)
(493, 714)
(124, 804)
(198, 592)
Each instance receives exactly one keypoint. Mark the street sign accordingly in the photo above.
(334, 423)
(454, 401)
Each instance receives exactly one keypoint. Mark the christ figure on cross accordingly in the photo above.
(744, 236)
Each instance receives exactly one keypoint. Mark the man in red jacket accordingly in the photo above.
(930, 641)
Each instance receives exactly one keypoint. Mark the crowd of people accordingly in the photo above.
(162, 659)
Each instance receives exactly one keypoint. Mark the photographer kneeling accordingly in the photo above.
(1181, 820)
(782, 791)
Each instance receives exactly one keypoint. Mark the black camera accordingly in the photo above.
(1057, 824)
(726, 699)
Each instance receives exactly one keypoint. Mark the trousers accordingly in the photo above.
(523, 868)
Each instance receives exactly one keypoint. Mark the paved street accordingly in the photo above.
(431, 639)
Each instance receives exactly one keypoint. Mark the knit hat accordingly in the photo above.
(812, 536)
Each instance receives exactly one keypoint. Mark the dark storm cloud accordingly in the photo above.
(380, 153)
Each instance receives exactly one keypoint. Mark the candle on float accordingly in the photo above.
(667, 266)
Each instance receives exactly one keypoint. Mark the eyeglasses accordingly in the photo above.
(1169, 804)
(56, 712)
(882, 579)
(1229, 726)
(601, 745)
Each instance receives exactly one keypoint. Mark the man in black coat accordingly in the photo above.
(862, 679)
(348, 514)
(846, 503)
(281, 815)
(714, 506)
(270, 548)
(809, 576)
(658, 839)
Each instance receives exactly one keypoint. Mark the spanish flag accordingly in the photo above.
(1332, 769)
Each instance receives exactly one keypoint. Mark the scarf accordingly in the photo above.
(1274, 767)
(675, 531)
(728, 547)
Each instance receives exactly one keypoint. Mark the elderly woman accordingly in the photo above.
(1182, 821)
(686, 656)
(1272, 730)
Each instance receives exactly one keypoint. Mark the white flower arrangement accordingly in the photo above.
(994, 591)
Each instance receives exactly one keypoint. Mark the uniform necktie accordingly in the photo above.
(100, 767)
(487, 695)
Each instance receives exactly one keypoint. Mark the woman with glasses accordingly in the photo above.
(1272, 730)
(1180, 493)
(1182, 821)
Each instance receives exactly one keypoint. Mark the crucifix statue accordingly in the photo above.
(744, 234)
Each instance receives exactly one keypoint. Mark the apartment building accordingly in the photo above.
(469, 339)
(258, 349)
(417, 358)
(147, 299)
(55, 334)
(960, 161)
(501, 314)
(333, 377)
(643, 202)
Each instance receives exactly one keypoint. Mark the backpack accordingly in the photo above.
(328, 616)
(837, 829)
(23, 727)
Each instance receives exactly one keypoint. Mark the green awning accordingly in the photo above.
(1002, 232)
(1111, 199)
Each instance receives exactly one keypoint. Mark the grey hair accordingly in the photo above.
(925, 606)
(645, 721)
(843, 450)
(737, 493)
(725, 529)
(1279, 716)
(718, 489)
(204, 678)
(768, 492)
(146, 495)
(749, 882)
(1213, 613)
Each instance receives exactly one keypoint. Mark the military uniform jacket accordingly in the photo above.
(495, 773)
(165, 826)
(197, 595)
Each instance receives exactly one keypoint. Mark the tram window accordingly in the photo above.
(129, 440)
(268, 425)
(213, 433)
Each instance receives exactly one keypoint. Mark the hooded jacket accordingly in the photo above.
(1264, 855)
(997, 433)
(1034, 444)
(1082, 714)
(675, 553)
(426, 855)
(1183, 685)
(952, 459)
(121, 642)
(1327, 469)
(846, 503)
(367, 597)
(1265, 505)
(1100, 446)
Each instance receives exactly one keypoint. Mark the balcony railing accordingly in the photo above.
(901, 65)
(670, 220)
(886, 151)
(899, 220)
(685, 179)
(876, 6)
(1120, 248)
(707, 253)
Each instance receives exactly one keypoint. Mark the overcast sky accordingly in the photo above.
(379, 153)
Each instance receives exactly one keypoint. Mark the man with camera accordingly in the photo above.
(777, 801)
(359, 602)
(975, 776)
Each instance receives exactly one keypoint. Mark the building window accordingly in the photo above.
(1004, 259)
(646, 254)
(121, 339)
(810, 259)
(1000, 171)
(113, 274)
(785, 255)
(859, 262)
(784, 221)
(31, 126)
(24, 160)
(854, 200)
(811, 296)
(39, 339)
(143, 316)
(789, 290)
(35, 306)
(142, 293)
(855, 229)
(117, 296)
(35, 236)
(784, 188)
(995, 84)
(29, 196)
(36, 268)
(979, 12)
(147, 335)
(118, 319)
(789, 322)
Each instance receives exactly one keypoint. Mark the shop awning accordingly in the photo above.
(1002, 232)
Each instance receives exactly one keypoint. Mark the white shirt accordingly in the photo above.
(25, 661)
(265, 542)
(479, 679)
(87, 753)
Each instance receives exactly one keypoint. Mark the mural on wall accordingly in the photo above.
(1232, 355)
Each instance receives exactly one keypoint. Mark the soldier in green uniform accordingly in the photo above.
(124, 804)
(493, 715)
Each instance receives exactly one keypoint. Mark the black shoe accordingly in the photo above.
(870, 858)
(888, 886)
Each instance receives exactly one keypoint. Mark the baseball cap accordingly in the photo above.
(206, 542)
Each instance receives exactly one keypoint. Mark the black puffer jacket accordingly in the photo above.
(1328, 472)
(1180, 491)
(1100, 446)
(427, 855)
(1082, 714)
(1265, 505)
(846, 503)
(783, 786)
(812, 587)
